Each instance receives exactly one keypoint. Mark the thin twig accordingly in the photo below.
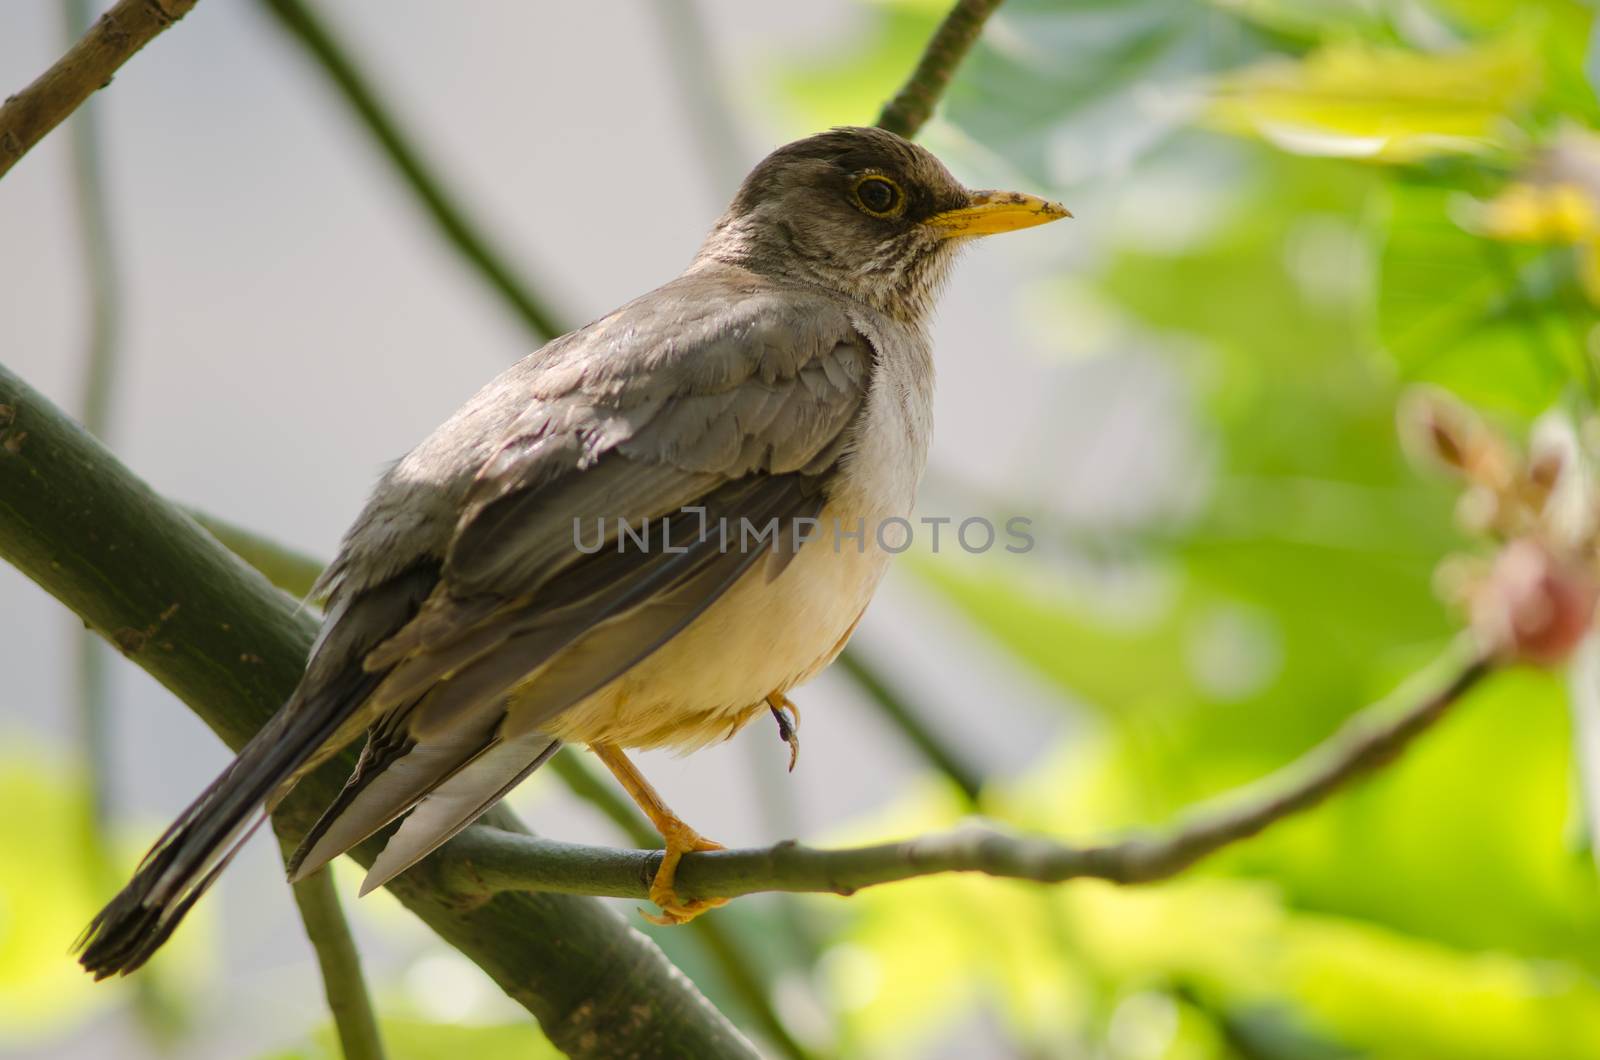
(913, 105)
(485, 861)
(27, 117)
(99, 383)
(323, 45)
(893, 705)
(342, 981)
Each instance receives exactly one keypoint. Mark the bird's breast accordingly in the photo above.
(768, 634)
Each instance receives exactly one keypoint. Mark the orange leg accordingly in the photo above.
(679, 837)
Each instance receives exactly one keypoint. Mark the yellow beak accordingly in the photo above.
(989, 212)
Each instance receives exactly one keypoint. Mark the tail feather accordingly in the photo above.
(133, 925)
(319, 718)
(190, 855)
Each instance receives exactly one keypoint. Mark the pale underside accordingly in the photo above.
(763, 636)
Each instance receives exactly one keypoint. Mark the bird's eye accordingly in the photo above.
(879, 196)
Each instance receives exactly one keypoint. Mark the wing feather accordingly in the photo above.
(744, 413)
(457, 802)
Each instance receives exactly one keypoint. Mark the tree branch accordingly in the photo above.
(27, 117)
(489, 862)
(486, 861)
(223, 640)
(913, 105)
(295, 574)
(461, 231)
(342, 981)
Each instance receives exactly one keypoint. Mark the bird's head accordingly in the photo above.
(866, 213)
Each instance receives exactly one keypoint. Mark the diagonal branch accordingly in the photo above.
(913, 105)
(490, 862)
(896, 709)
(325, 48)
(227, 643)
(27, 117)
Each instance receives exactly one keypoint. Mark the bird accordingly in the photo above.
(554, 564)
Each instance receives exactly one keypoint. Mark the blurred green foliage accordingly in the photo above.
(43, 898)
(1301, 207)
(51, 880)
(1392, 193)
(415, 1039)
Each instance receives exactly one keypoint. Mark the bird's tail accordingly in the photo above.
(195, 849)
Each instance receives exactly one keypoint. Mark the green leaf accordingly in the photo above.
(1503, 326)
(1070, 93)
(1356, 100)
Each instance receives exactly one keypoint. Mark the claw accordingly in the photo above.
(675, 910)
(782, 708)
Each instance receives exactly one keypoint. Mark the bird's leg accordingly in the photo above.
(679, 837)
(783, 709)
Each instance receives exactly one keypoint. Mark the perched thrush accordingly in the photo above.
(604, 546)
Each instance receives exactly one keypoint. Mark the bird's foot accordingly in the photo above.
(681, 840)
(788, 718)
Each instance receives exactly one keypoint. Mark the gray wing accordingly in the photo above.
(744, 412)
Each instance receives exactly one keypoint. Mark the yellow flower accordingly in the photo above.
(1541, 213)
